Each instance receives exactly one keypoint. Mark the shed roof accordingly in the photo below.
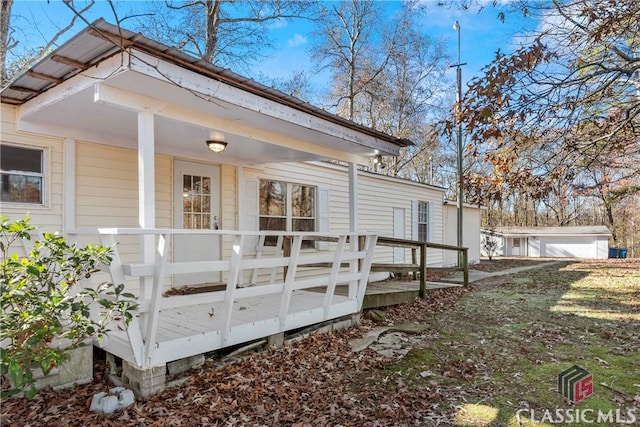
(588, 230)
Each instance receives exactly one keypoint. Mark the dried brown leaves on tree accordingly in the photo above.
(565, 104)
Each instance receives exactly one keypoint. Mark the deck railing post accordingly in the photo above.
(156, 295)
(369, 248)
(335, 270)
(414, 260)
(423, 270)
(289, 280)
(116, 271)
(286, 253)
(232, 283)
(465, 266)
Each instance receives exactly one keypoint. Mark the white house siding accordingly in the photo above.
(50, 216)
(377, 197)
(470, 233)
(107, 193)
(533, 247)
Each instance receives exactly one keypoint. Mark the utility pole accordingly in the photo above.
(456, 27)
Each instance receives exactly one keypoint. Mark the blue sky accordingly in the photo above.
(482, 34)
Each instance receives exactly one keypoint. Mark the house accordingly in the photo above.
(554, 242)
(196, 175)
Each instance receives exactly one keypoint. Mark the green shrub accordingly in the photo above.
(43, 304)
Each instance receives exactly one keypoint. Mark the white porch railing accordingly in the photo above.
(174, 327)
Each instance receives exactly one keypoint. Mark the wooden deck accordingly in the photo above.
(266, 290)
(168, 328)
(194, 329)
(392, 292)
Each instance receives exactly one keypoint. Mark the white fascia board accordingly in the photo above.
(104, 70)
(554, 235)
(214, 89)
(136, 102)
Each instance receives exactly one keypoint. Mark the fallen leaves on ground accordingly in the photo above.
(474, 349)
(315, 381)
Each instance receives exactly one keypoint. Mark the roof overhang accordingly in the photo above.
(93, 86)
(546, 233)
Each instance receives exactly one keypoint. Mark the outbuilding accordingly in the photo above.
(553, 242)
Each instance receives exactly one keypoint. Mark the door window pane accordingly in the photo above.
(196, 203)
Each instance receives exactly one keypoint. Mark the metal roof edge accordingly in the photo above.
(125, 39)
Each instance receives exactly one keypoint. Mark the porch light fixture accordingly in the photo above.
(216, 146)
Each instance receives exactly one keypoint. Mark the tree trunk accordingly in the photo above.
(211, 42)
(5, 15)
(609, 211)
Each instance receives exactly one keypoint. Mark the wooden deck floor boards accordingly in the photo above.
(199, 321)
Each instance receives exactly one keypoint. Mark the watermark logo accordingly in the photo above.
(575, 383)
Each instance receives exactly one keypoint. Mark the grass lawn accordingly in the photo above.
(501, 347)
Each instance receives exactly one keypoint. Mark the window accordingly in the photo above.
(287, 207)
(423, 221)
(22, 175)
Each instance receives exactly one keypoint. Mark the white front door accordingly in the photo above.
(196, 195)
(398, 232)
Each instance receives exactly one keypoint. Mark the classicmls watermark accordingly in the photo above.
(627, 416)
(575, 383)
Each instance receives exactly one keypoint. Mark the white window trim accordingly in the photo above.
(415, 224)
(46, 177)
(289, 217)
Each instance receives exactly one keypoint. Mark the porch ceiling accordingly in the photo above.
(79, 116)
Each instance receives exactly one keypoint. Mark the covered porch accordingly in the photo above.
(108, 87)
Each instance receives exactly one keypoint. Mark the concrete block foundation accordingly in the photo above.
(144, 381)
(78, 369)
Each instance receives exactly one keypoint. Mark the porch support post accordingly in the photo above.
(353, 197)
(69, 185)
(239, 196)
(146, 192)
(353, 223)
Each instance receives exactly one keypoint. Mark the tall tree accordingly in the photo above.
(569, 98)
(386, 75)
(7, 41)
(345, 43)
(229, 33)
